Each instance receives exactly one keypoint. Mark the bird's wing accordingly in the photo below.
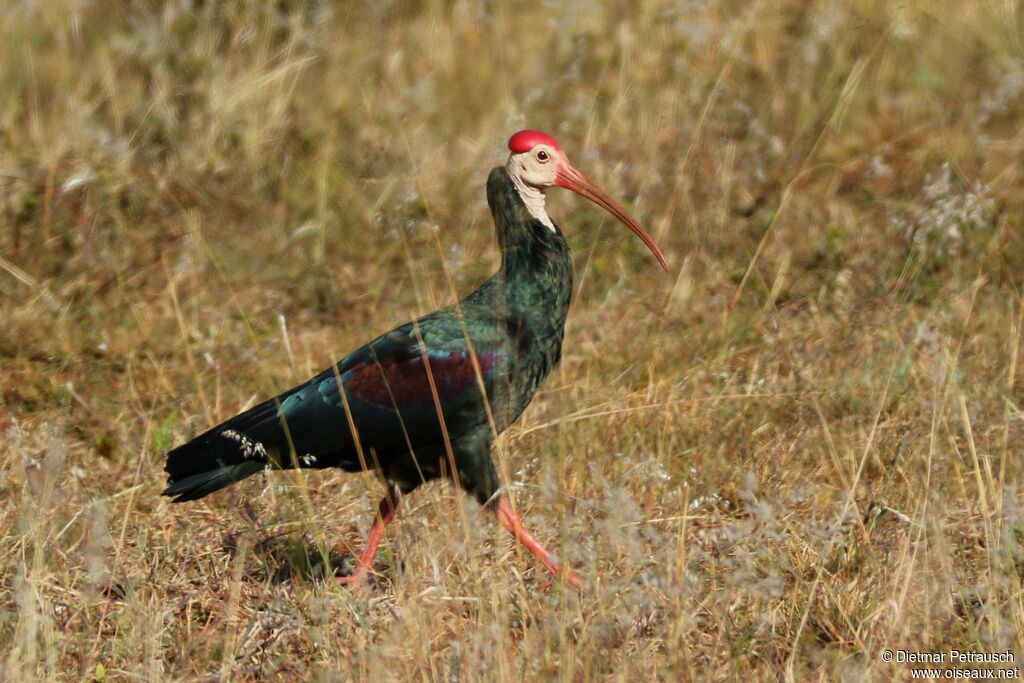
(392, 389)
(396, 386)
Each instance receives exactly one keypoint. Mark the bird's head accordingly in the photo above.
(537, 162)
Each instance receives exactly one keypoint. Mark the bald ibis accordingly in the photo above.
(428, 398)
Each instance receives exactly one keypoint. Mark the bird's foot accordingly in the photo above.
(511, 521)
(570, 578)
(359, 581)
(562, 576)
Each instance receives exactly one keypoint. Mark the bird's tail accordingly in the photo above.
(229, 452)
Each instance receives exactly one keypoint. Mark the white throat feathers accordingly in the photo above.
(533, 197)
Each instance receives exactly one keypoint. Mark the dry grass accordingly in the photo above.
(800, 449)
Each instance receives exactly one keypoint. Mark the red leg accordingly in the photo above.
(510, 520)
(385, 513)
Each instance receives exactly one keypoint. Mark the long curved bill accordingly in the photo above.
(568, 177)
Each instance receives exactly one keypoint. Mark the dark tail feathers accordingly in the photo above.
(196, 486)
(229, 452)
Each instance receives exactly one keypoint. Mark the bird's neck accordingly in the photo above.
(536, 270)
(530, 241)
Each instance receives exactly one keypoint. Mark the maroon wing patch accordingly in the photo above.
(404, 381)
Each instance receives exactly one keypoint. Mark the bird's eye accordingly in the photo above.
(542, 156)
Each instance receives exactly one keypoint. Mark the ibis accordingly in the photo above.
(427, 399)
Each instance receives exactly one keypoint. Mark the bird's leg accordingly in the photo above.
(510, 520)
(385, 513)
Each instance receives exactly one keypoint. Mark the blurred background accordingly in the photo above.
(798, 449)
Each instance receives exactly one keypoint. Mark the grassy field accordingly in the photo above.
(799, 449)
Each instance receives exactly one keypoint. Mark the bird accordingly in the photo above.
(428, 399)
